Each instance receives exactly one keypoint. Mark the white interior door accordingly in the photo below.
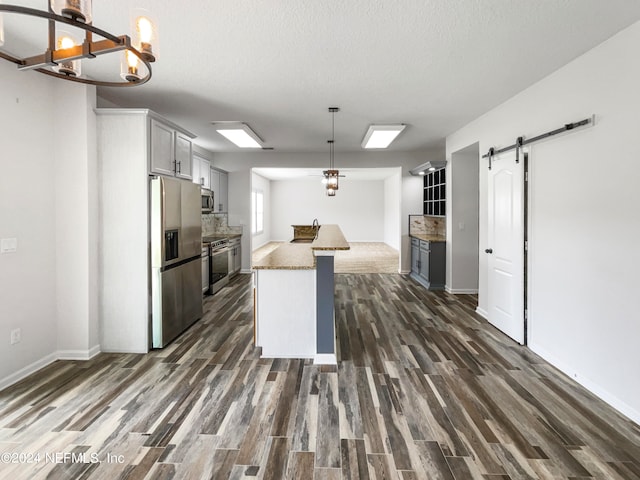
(505, 249)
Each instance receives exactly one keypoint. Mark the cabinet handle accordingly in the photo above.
(488, 250)
(179, 166)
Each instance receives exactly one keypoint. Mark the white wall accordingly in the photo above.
(411, 189)
(392, 210)
(76, 207)
(462, 220)
(27, 277)
(258, 182)
(357, 208)
(584, 256)
(48, 200)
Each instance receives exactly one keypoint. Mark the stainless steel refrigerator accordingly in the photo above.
(176, 243)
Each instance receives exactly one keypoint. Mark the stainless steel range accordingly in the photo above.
(218, 264)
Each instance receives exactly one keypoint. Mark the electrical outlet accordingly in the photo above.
(16, 335)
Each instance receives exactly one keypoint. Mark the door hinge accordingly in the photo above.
(526, 176)
(526, 245)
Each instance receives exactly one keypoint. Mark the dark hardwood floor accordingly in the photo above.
(425, 389)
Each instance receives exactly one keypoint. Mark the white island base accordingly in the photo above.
(294, 288)
(286, 313)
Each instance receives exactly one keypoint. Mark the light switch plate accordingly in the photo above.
(8, 245)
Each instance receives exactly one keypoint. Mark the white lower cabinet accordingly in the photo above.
(235, 256)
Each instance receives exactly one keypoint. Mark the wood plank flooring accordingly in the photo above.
(425, 389)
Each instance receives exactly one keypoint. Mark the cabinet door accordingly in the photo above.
(215, 188)
(162, 149)
(238, 259)
(437, 265)
(203, 168)
(183, 156)
(224, 193)
(424, 260)
(195, 171)
(415, 259)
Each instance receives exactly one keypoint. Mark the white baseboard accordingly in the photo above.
(593, 387)
(44, 361)
(28, 370)
(405, 272)
(483, 313)
(246, 270)
(79, 354)
(461, 291)
(325, 359)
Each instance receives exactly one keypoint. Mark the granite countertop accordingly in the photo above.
(330, 237)
(299, 256)
(219, 236)
(289, 256)
(428, 238)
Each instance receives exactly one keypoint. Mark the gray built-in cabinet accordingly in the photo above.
(428, 263)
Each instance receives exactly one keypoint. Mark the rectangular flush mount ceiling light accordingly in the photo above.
(381, 136)
(240, 134)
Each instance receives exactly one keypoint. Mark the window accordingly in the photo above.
(257, 201)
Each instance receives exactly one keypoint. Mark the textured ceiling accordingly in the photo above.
(278, 64)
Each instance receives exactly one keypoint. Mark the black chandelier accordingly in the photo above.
(62, 57)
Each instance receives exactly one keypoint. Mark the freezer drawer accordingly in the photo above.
(177, 300)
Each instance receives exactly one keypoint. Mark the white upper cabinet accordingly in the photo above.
(171, 150)
(222, 199)
(219, 186)
(201, 172)
(183, 156)
(162, 148)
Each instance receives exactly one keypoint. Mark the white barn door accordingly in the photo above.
(505, 249)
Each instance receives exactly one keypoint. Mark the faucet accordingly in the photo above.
(316, 227)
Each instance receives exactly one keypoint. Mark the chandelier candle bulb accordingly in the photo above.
(129, 67)
(144, 37)
(70, 68)
(79, 10)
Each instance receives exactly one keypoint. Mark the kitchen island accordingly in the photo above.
(294, 293)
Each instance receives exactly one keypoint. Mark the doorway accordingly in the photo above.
(463, 220)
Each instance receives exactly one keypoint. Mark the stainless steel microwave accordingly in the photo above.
(206, 197)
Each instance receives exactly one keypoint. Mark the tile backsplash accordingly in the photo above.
(216, 223)
(427, 225)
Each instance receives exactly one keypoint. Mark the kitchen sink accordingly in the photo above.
(302, 240)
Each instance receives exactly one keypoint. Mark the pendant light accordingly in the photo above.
(332, 174)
